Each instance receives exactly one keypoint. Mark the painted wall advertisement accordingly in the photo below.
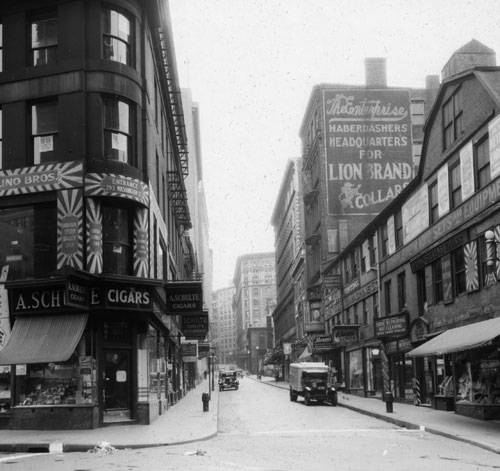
(368, 148)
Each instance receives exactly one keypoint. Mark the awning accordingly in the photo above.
(43, 339)
(305, 355)
(459, 339)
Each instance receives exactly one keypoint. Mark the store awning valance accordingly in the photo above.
(459, 339)
(43, 339)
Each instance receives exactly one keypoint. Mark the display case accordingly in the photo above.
(5, 390)
(56, 384)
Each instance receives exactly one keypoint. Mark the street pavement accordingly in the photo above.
(186, 422)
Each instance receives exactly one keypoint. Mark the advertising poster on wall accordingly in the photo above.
(368, 148)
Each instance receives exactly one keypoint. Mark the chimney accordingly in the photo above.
(375, 72)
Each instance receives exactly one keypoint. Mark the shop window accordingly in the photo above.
(482, 158)
(455, 186)
(117, 240)
(118, 130)
(44, 131)
(62, 383)
(29, 241)
(433, 202)
(117, 37)
(44, 40)
(437, 278)
(458, 265)
(452, 119)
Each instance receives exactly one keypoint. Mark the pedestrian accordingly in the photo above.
(205, 374)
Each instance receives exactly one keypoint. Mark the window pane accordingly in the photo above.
(117, 115)
(117, 25)
(116, 240)
(44, 118)
(44, 33)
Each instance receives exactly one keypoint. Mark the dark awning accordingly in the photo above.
(43, 339)
(459, 339)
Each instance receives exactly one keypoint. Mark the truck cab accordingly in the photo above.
(311, 381)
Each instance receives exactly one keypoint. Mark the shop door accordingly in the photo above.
(117, 387)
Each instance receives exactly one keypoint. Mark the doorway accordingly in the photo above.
(117, 386)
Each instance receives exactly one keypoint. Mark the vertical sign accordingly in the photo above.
(494, 138)
(94, 236)
(141, 252)
(447, 283)
(368, 148)
(70, 228)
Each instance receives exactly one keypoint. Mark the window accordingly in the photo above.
(365, 312)
(44, 129)
(385, 240)
(116, 239)
(372, 250)
(482, 156)
(417, 112)
(116, 37)
(455, 186)
(398, 228)
(437, 279)
(375, 306)
(422, 292)
(433, 203)
(387, 297)
(452, 119)
(44, 40)
(1, 138)
(458, 264)
(29, 241)
(117, 130)
(401, 291)
(1, 47)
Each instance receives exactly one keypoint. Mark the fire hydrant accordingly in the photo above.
(205, 398)
(389, 399)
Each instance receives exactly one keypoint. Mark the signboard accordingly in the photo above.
(76, 293)
(342, 334)
(368, 148)
(393, 326)
(184, 297)
(322, 343)
(195, 325)
(189, 352)
(48, 177)
(203, 350)
(119, 186)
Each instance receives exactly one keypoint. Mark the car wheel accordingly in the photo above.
(307, 399)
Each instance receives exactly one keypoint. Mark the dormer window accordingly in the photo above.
(452, 119)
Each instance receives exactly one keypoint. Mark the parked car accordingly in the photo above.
(310, 380)
(228, 380)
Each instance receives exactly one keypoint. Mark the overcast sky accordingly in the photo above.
(251, 66)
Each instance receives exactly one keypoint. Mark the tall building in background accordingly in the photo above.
(288, 222)
(255, 299)
(199, 232)
(361, 147)
(223, 326)
(94, 215)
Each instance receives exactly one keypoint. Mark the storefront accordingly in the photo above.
(467, 364)
(85, 351)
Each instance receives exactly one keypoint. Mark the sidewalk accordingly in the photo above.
(485, 434)
(183, 422)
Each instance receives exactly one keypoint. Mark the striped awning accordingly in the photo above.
(460, 339)
(43, 339)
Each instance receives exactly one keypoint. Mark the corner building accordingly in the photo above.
(93, 213)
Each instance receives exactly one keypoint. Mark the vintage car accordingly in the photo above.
(311, 381)
(228, 380)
